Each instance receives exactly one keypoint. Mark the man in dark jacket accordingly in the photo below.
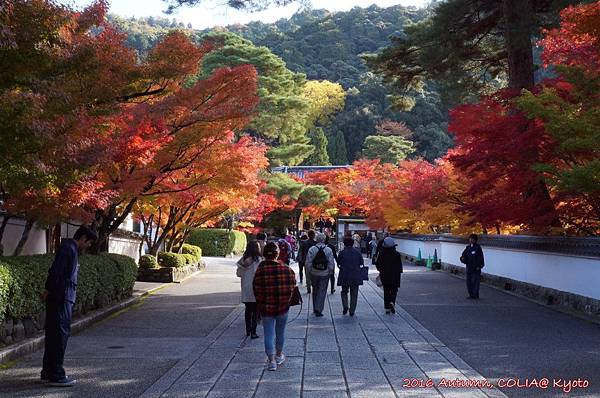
(303, 253)
(472, 257)
(350, 262)
(60, 294)
(389, 265)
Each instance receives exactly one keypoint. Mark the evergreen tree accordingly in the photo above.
(387, 148)
(320, 156)
(336, 148)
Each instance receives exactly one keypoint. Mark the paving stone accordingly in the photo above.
(230, 394)
(323, 383)
(236, 383)
(188, 390)
(325, 394)
(322, 357)
(274, 389)
(329, 370)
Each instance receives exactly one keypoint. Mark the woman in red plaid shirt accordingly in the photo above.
(273, 287)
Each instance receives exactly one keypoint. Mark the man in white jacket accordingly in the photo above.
(320, 264)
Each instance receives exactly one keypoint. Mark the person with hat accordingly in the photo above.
(389, 265)
(472, 257)
(320, 264)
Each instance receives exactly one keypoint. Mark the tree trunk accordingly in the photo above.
(519, 28)
(108, 221)
(5, 219)
(24, 237)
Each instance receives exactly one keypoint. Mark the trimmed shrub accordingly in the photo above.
(22, 279)
(171, 260)
(240, 242)
(218, 242)
(190, 259)
(126, 273)
(148, 261)
(196, 251)
(5, 281)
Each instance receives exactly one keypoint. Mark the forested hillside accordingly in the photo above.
(329, 46)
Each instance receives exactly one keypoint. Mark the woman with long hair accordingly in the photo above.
(274, 285)
(246, 269)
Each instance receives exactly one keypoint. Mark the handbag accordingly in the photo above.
(296, 298)
(365, 273)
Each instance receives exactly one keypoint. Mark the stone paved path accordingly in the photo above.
(368, 356)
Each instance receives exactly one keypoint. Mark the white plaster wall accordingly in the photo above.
(127, 247)
(36, 244)
(573, 274)
(410, 247)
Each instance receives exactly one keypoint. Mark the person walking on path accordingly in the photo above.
(60, 293)
(304, 247)
(319, 265)
(261, 238)
(372, 248)
(335, 257)
(273, 285)
(472, 257)
(368, 239)
(246, 269)
(301, 258)
(350, 262)
(291, 239)
(285, 250)
(357, 240)
(389, 265)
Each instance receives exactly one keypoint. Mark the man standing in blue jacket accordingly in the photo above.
(472, 258)
(60, 294)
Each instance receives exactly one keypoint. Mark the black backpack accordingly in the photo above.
(320, 261)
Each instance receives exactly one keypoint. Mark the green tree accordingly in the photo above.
(282, 114)
(319, 157)
(336, 148)
(388, 149)
(468, 47)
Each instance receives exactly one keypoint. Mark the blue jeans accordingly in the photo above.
(274, 330)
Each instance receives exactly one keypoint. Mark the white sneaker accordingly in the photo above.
(272, 365)
(280, 359)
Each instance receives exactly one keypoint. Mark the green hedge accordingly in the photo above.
(171, 260)
(148, 261)
(102, 278)
(195, 251)
(218, 242)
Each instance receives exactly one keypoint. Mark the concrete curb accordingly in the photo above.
(35, 343)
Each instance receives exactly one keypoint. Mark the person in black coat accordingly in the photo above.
(472, 257)
(389, 265)
(305, 245)
(60, 293)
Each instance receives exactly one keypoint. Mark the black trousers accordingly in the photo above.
(332, 281)
(58, 329)
(301, 270)
(389, 296)
(473, 280)
(251, 315)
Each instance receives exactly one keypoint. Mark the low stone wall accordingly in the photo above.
(168, 275)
